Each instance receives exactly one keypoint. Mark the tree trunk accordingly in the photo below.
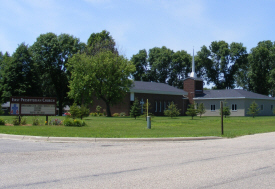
(60, 108)
(108, 110)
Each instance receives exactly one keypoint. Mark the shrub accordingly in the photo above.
(75, 122)
(191, 111)
(68, 122)
(135, 109)
(122, 114)
(100, 114)
(172, 110)
(2, 122)
(23, 121)
(115, 114)
(36, 121)
(93, 114)
(16, 121)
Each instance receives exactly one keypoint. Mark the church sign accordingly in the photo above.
(32, 106)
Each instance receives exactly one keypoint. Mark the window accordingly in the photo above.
(156, 107)
(213, 108)
(272, 107)
(262, 107)
(234, 107)
(164, 103)
(160, 106)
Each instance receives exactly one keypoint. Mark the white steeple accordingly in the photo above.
(193, 73)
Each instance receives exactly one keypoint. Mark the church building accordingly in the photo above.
(160, 95)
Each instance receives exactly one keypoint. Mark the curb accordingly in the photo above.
(83, 139)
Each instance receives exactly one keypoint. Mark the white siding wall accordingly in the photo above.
(266, 105)
(242, 106)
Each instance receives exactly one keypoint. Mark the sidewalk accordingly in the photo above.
(80, 139)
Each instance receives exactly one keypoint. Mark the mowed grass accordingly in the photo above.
(126, 127)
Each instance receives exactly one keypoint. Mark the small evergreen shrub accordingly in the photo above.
(16, 121)
(23, 121)
(115, 114)
(35, 121)
(2, 122)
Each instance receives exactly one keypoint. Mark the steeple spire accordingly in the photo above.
(193, 73)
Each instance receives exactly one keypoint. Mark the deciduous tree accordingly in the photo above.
(104, 75)
(221, 62)
(51, 53)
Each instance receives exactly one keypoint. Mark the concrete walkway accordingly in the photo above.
(82, 139)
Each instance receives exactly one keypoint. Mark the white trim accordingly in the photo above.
(214, 105)
(235, 107)
(132, 96)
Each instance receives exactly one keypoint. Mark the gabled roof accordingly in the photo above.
(156, 88)
(231, 94)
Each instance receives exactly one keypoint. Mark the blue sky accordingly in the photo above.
(139, 24)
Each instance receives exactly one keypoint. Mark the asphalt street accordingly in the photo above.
(243, 162)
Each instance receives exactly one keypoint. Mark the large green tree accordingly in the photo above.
(51, 53)
(5, 61)
(180, 68)
(162, 65)
(221, 62)
(104, 75)
(20, 77)
(102, 41)
(261, 68)
(141, 63)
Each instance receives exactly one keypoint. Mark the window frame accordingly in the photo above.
(262, 107)
(234, 107)
(213, 107)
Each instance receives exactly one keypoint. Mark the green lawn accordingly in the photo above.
(121, 127)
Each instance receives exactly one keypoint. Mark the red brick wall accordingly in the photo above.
(193, 87)
(189, 86)
(125, 105)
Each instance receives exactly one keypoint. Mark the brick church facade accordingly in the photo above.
(159, 95)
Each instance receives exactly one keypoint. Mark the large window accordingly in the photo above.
(272, 107)
(234, 107)
(213, 108)
(159, 106)
(156, 106)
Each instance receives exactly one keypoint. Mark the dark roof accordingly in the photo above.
(231, 94)
(156, 88)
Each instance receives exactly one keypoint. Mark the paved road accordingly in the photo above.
(245, 162)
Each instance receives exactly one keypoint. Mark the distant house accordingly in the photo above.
(159, 95)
